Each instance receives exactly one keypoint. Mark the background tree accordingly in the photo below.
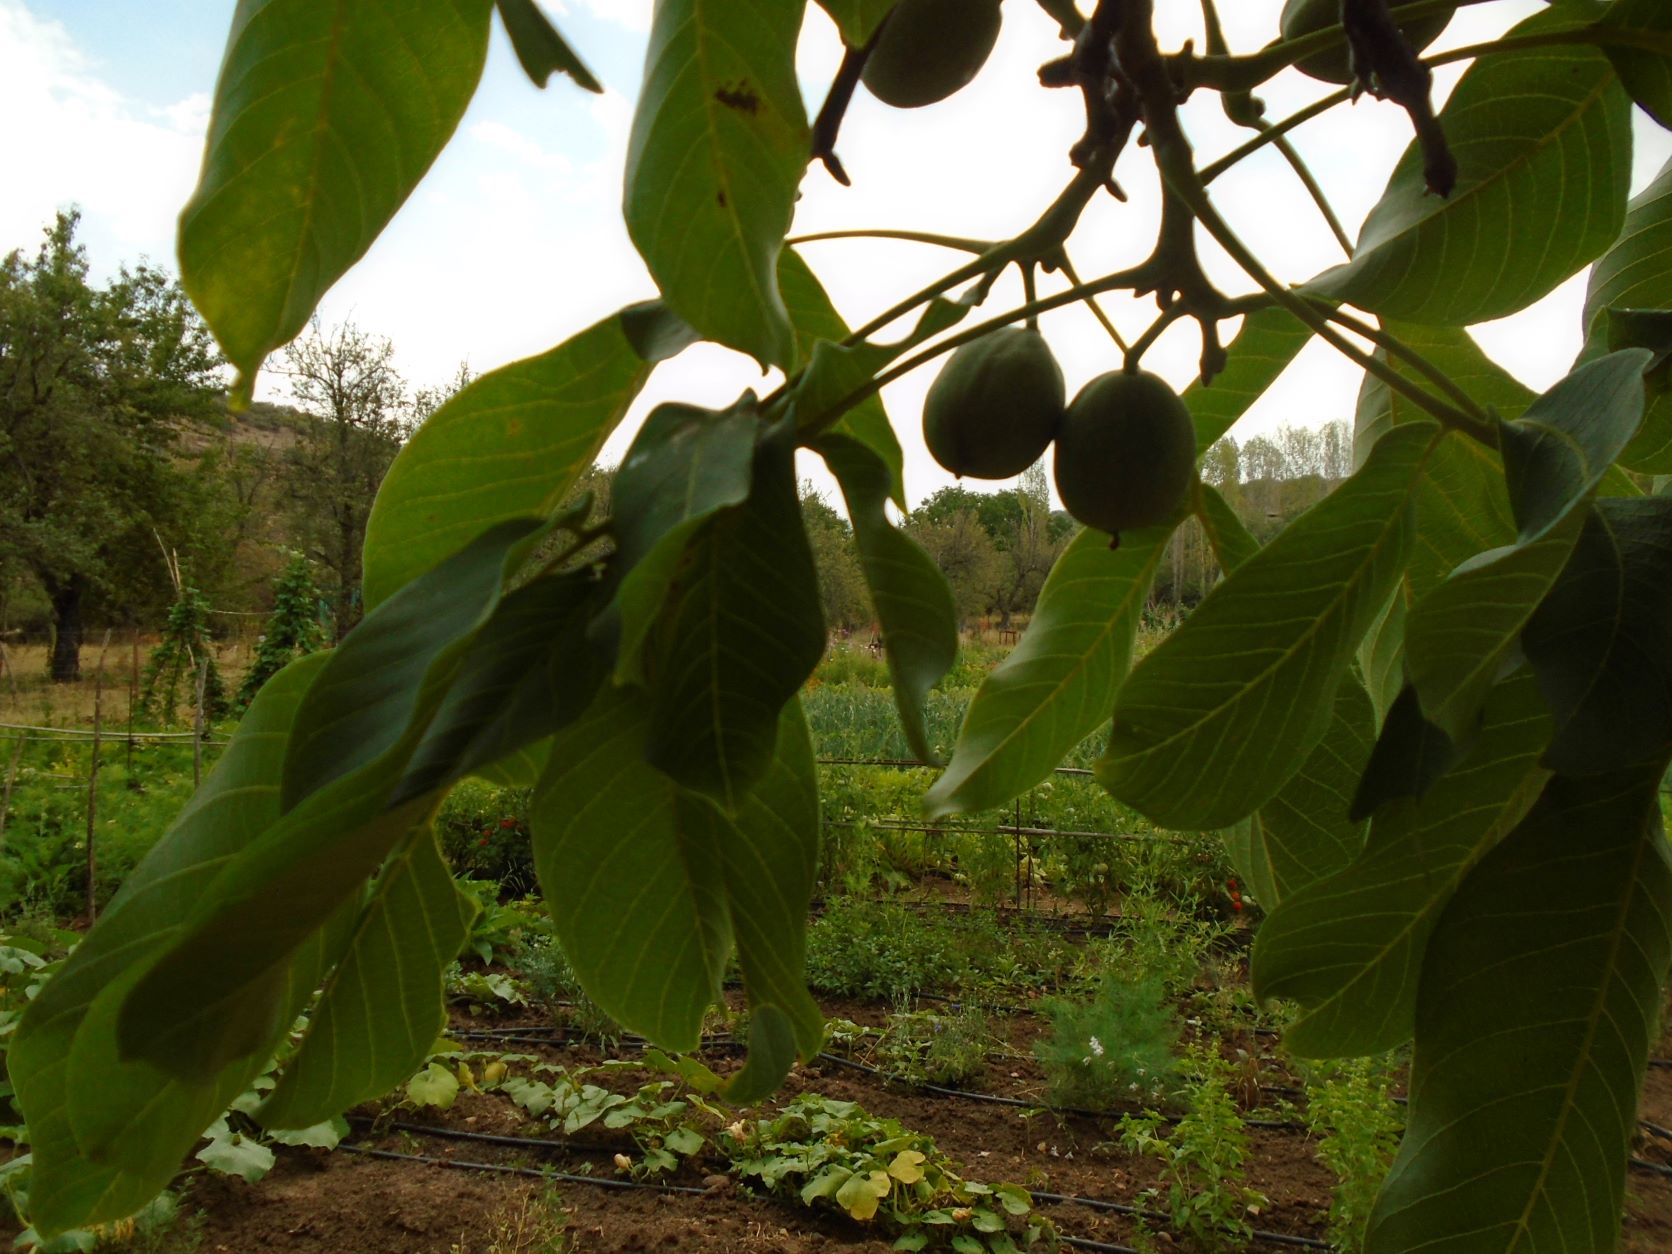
(344, 378)
(847, 605)
(94, 387)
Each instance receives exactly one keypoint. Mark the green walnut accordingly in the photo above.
(1302, 17)
(992, 412)
(1126, 453)
(928, 49)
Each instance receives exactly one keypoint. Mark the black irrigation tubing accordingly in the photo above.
(913, 763)
(494, 1138)
(995, 1099)
(1010, 829)
(1141, 1212)
(602, 1182)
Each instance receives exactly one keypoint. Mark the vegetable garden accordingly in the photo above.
(1338, 914)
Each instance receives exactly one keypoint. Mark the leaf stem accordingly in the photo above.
(958, 242)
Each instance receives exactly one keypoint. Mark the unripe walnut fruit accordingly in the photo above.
(1302, 17)
(928, 49)
(993, 410)
(1126, 453)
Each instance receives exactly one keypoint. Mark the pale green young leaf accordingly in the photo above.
(1210, 725)
(1304, 833)
(160, 1116)
(511, 445)
(815, 319)
(434, 1086)
(718, 146)
(381, 1009)
(326, 116)
(1381, 655)
(1058, 685)
(910, 595)
(1599, 641)
(234, 1154)
(1540, 996)
(1636, 273)
(738, 636)
(1349, 948)
(1542, 138)
(1460, 636)
(541, 49)
(354, 733)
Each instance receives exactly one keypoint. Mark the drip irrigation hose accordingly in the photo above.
(1143, 1212)
(495, 1138)
(602, 1182)
(1280, 1125)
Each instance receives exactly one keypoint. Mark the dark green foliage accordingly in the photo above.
(292, 630)
(1115, 1050)
(185, 655)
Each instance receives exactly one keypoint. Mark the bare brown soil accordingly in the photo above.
(316, 1202)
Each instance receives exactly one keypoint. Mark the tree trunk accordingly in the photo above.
(66, 631)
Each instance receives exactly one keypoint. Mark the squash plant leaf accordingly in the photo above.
(1542, 138)
(1348, 948)
(510, 445)
(1210, 725)
(326, 116)
(910, 595)
(718, 146)
(1540, 995)
(1057, 686)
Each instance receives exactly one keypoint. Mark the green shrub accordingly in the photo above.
(484, 833)
(551, 980)
(1114, 1050)
(866, 949)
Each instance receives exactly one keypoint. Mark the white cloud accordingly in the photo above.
(129, 167)
(514, 241)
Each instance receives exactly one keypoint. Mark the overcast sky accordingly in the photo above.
(514, 240)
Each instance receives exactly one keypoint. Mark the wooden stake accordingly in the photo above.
(93, 785)
(197, 723)
(17, 746)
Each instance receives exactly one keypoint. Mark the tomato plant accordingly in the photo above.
(1431, 714)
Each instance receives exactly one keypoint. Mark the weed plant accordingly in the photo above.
(534, 1223)
(1203, 1160)
(933, 1047)
(551, 981)
(1351, 1111)
(1116, 1049)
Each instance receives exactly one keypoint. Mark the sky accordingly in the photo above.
(514, 240)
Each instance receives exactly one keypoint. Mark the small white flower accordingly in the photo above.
(1096, 1047)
